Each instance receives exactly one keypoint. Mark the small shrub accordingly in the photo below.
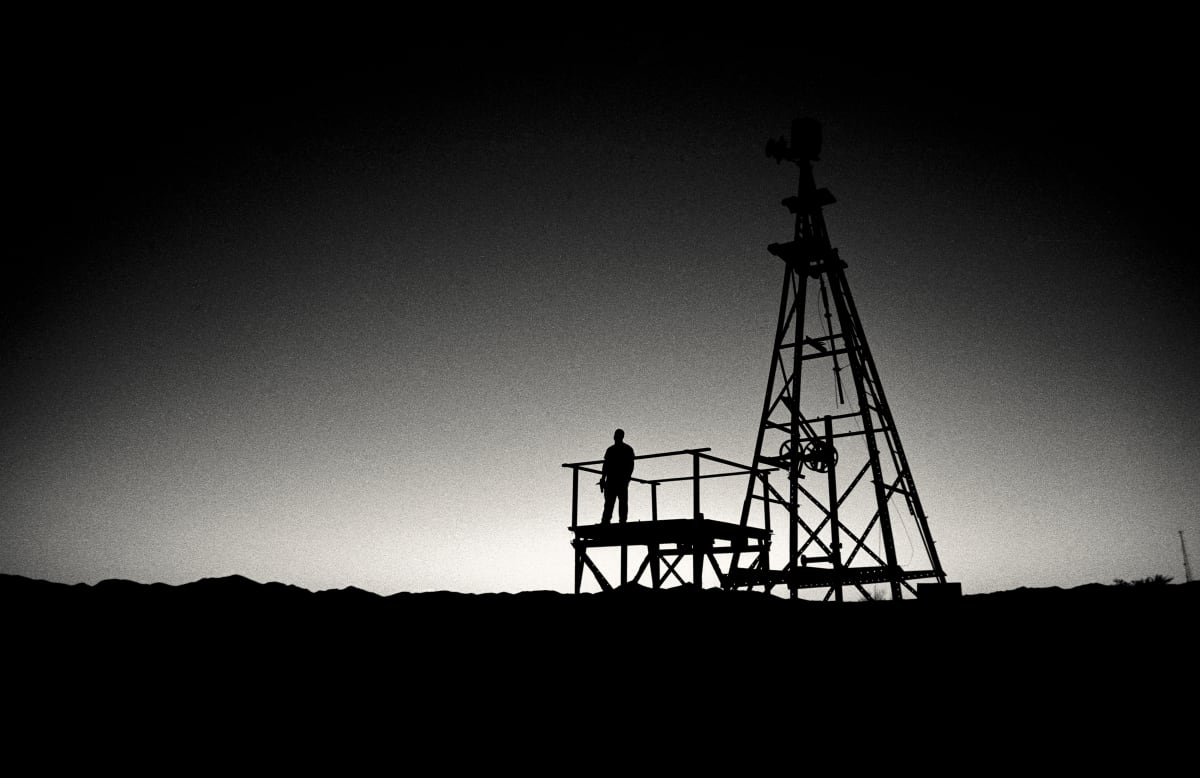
(877, 594)
(1154, 580)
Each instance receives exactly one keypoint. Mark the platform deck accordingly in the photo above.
(687, 532)
(810, 577)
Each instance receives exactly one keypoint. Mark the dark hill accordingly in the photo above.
(542, 661)
(1120, 616)
(1002, 627)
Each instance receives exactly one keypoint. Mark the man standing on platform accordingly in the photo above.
(614, 481)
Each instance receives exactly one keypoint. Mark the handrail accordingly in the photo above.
(646, 456)
(600, 472)
(747, 468)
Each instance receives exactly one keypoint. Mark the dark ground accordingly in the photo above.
(1088, 673)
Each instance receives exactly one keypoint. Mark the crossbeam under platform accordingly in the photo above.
(679, 532)
(667, 542)
(820, 577)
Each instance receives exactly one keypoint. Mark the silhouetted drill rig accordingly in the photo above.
(825, 427)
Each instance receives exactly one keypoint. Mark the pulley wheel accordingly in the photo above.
(819, 456)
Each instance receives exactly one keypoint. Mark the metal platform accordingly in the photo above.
(821, 577)
(665, 543)
(682, 533)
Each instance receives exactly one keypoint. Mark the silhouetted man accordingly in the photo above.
(614, 482)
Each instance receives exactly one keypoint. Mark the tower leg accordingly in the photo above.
(835, 547)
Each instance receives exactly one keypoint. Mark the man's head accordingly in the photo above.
(619, 435)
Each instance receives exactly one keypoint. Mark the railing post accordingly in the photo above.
(574, 497)
(697, 552)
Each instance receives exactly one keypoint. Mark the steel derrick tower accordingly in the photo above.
(826, 425)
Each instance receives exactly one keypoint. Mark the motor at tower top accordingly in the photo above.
(805, 145)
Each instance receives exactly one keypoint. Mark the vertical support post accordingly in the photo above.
(764, 556)
(793, 463)
(697, 551)
(574, 497)
(1187, 566)
(802, 236)
(655, 576)
(836, 543)
(575, 523)
(766, 501)
(793, 526)
(624, 563)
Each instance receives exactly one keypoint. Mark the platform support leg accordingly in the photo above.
(697, 551)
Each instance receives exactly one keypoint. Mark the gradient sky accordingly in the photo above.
(338, 319)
